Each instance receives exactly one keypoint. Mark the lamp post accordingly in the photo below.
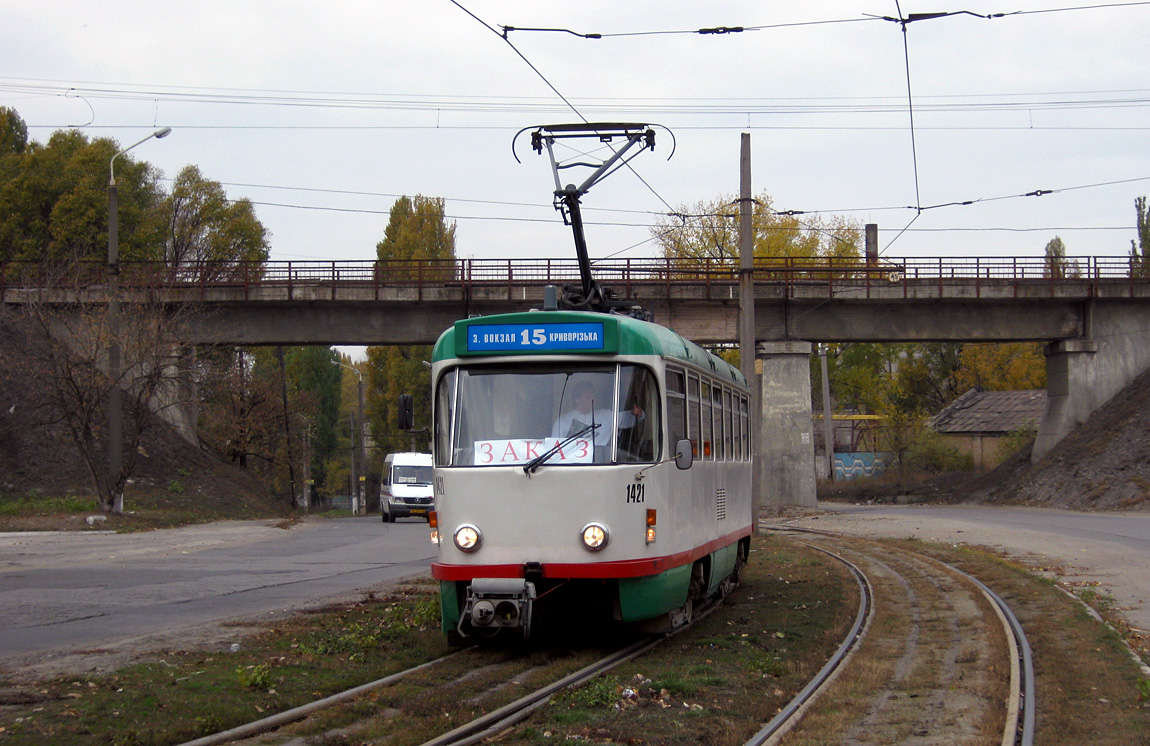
(358, 473)
(305, 496)
(115, 394)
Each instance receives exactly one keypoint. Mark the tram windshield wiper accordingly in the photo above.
(530, 467)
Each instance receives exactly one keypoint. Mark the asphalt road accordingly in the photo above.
(84, 590)
(1112, 549)
(77, 591)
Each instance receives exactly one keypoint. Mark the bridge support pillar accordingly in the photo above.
(1070, 391)
(786, 457)
(177, 402)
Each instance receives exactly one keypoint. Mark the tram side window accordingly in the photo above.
(638, 437)
(444, 417)
(693, 415)
(737, 429)
(676, 405)
(720, 418)
(728, 439)
(744, 421)
(708, 431)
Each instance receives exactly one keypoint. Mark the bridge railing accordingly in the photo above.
(620, 274)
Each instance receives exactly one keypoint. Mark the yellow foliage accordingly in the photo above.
(1009, 366)
(710, 230)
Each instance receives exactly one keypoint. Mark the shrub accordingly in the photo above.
(1016, 441)
(931, 453)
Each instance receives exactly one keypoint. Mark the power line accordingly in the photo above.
(149, 91)
(731, 30)
(361, 193)
(1077, 7)
(501, 218)
(677, 213)
(707, 106)
(504, 35)
(718, 106)
(910, 112)
(521, 56)
(908, 229)
(710, 31)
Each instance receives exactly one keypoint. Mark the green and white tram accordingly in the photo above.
(588, 466)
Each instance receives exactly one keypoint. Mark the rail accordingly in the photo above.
(1120, 275)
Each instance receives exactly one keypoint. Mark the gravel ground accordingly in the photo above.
(1111, 550)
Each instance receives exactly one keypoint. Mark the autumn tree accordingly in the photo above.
(710, 230)
(275, 419)
(13, 140)
(861, 375)
(54, 205)
(54, 198)
(238, 417)
(1008, 366)
(1055, 263)
(206, 229)
(64, 349)
(1140, 249)
(418, 229)
(927, 376)
(340, 467)
(313, 373)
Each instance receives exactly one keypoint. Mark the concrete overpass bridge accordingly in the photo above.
(366, 302)
(1093, 312)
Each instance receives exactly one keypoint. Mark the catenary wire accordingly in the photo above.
(557, 93)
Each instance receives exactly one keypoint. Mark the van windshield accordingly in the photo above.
(411, 475)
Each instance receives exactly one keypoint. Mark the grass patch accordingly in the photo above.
(44, 505)
(183, 695)
(718, 682)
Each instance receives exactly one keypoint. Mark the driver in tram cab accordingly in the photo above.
(584, 413)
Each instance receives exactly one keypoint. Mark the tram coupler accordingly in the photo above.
(493, 604)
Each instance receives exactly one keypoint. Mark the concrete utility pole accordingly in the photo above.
(358, 455)
(747, 362)
(362, 453)
(828, 423)
(115, 393)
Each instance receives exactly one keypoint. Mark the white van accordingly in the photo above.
(406, 489)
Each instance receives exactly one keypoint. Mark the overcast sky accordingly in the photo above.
(322, 113)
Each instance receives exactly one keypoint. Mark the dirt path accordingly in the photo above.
(1111, 550)
(930, 670)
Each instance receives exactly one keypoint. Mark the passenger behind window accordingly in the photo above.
(584, 413)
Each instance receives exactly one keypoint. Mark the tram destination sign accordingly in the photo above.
(537, 337)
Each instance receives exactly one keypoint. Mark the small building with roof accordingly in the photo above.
(979, 421)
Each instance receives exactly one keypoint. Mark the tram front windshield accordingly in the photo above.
(502, 416)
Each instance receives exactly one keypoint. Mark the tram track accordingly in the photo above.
(944, 609)
(471, 732)
(790, 715)
(936, 636)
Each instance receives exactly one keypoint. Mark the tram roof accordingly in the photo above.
(573, 333)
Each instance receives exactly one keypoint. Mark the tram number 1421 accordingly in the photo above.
(635, 492)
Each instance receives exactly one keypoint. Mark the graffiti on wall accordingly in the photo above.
(866, 464)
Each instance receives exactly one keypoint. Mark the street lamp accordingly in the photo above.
(115, 394)
(358, 452)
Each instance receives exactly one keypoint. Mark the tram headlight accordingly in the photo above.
(595, 536)
(468, 538)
